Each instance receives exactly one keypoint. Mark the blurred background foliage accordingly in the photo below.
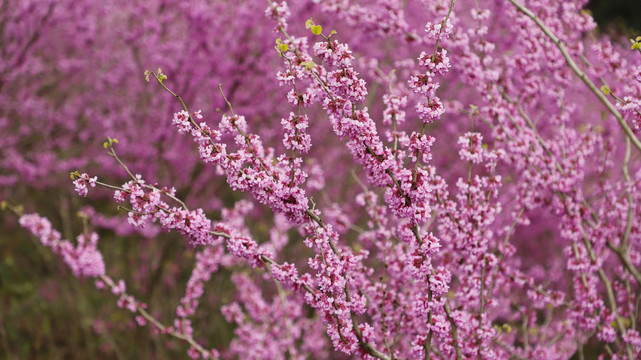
(46, 313)
(621, 16)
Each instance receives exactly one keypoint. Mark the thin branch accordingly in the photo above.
(575, 68)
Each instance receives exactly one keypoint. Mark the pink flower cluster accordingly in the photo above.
(148, 206)
(82, 182)
(84, 259)
(472, 193)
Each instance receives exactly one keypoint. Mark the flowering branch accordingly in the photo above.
(575, 68)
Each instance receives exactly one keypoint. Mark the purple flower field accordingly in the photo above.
(318, 179)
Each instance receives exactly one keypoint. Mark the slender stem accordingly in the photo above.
(449, 12)
(163, 329)
(457, 348)
(626, 175)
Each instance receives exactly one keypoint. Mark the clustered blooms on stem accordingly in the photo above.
(471, 192)
(84, 259)
(251, 167)
(148, 206)
(82, 181)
